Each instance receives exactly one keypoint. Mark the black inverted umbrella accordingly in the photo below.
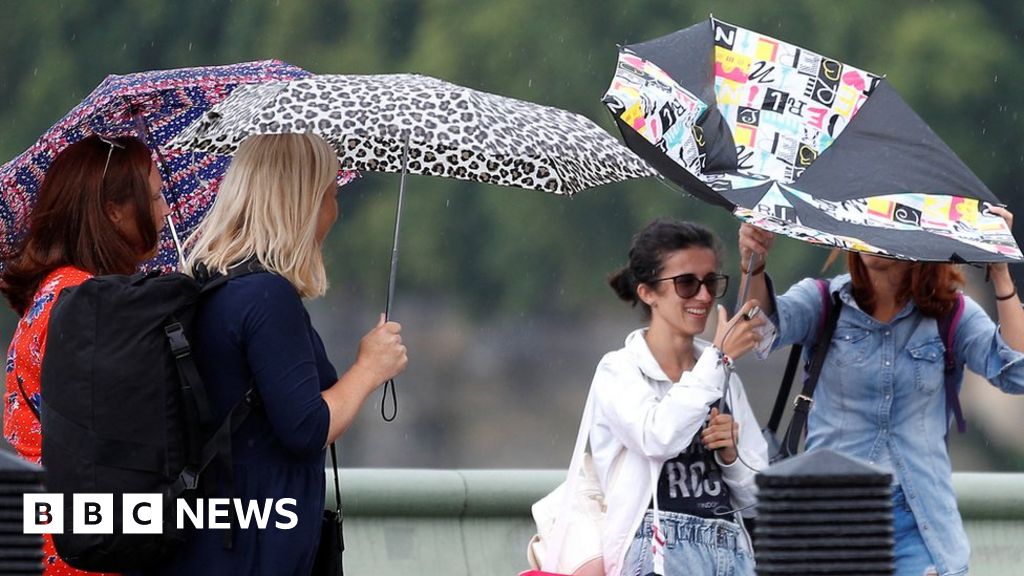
(801, 144)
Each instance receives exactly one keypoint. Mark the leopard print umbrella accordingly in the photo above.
(453, 131)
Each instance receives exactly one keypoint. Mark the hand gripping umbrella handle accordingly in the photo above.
(390, 384)
(739, 306)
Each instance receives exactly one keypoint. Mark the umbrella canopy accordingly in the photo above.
(417, 124)
(154, 106)
(801, 144)
(452, 131)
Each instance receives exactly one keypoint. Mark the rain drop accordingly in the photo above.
(189, 46)
(529, 83)
(995, 79)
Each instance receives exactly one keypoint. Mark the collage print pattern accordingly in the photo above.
(785, 106)
(664, 113)
(962, 219)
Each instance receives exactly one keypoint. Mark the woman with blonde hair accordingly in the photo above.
(275, 206)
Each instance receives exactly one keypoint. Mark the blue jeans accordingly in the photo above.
(693, 546)
(912, 556)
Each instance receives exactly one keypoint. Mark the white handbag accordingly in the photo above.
(570, 518)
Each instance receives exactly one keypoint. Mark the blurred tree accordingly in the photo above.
(950, 59)
(525, 269)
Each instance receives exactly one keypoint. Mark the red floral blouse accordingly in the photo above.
(24, 364)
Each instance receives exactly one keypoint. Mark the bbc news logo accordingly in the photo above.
(143, 513)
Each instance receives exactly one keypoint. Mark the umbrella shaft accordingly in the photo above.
(746, 282)
(177, 242)
(398, 228)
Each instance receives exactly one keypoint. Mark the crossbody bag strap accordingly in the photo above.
(572, 480)
(803, 402)
(795, 352)
(337, 502)
(793, 363)
(337, 483)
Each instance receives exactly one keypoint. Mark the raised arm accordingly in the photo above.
(1008, 306)
(756, 242)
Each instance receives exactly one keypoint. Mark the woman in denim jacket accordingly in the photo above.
(880, 396)
(657, 437)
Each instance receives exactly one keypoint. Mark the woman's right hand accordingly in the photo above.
(738, 336)
(754, 240)
(381, 352)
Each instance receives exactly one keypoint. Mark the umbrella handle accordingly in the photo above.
(389, 385)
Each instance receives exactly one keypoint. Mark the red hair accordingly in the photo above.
(70, 226)
(932, 286)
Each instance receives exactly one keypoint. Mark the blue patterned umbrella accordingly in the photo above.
(154, 106)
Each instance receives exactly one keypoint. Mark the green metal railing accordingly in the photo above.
(477, 522)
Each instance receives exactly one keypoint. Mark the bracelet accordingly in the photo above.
(1008, 296)
(724, 359)
(756, 271)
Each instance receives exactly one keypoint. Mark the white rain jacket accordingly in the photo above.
(645, 419)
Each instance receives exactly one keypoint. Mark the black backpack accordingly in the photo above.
(124, 410)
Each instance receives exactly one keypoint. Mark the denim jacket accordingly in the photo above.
(880, 397)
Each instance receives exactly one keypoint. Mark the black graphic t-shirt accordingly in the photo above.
(691, 483)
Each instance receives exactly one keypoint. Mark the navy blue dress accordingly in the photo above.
(255, 330)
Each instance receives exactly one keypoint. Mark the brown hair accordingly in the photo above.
(647, 255)
(69, 224)
(931, 285)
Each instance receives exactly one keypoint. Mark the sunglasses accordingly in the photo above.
(688, 285)
(110, 153)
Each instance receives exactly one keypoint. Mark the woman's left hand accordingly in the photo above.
(720, 434)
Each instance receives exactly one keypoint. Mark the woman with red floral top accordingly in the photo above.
(99, 211)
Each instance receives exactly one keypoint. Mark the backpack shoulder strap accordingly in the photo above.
(197, 412)
(210, 281)
(948, 324)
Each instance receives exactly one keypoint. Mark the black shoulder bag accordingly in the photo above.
(332, 539)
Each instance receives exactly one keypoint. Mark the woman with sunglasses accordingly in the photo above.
(668, 441)
(99, 211)
(881, 393)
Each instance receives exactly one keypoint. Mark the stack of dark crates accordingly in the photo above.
(20, 554)
(822, 513)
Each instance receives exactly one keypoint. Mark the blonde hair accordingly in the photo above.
(267, 209)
